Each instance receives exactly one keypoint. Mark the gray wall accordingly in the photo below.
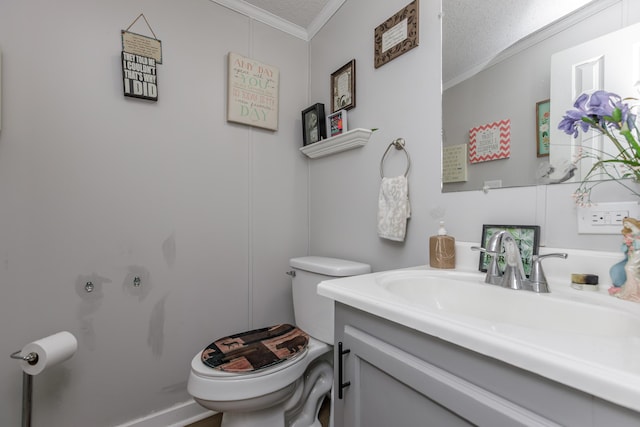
(402, 98)
(98, 187)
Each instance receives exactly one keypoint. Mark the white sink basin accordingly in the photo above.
(586, 340)
(466, 294)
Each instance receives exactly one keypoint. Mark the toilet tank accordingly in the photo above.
(314, 313)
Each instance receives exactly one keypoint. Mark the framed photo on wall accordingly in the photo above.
(337, 123)
(397, 35)
(542, 127)
(527, 238)
(343, 87)
(313, 124)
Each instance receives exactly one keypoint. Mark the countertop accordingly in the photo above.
(603, 364)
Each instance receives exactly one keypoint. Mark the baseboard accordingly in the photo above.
(176, 416)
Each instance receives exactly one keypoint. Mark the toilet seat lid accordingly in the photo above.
(257, 349)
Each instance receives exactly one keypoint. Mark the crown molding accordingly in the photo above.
(274, 21)
(323, 17)
(265, 17)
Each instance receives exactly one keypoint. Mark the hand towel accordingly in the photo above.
(393, 208)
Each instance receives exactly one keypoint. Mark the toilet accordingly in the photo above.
(289, 392)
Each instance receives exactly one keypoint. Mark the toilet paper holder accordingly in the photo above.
(38, 355)
(31, 358)
(27, 386)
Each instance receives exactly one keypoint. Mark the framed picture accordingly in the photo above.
(491, 141)
(527, 238)
(542, 128)
(252, 92)
(343, 87)
(397, 35)
(337, 123)
(313, 124)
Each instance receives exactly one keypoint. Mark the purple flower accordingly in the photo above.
(581, 102)
(572, 121)
(602, 103)
(601, 107)
(608, 114)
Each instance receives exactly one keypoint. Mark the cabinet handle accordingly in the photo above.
(342, 385)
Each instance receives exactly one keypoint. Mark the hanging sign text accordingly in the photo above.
(139, 76)
(252, 93)
(142, 45)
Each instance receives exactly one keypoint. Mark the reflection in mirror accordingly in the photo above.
(496, 67)
(604, 63)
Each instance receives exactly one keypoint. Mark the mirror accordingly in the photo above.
(496, 71)
(608, 62)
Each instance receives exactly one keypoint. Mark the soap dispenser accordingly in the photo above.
(442, 249)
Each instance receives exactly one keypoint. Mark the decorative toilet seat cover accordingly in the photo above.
(253, 350)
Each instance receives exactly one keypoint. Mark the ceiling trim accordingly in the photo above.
(306, 34)
(265, 17)
(323, 17)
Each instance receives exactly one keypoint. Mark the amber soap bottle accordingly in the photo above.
(442, 249)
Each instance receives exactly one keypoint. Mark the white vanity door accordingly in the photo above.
(611, 63)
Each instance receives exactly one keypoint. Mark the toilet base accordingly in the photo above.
(318, 381)
(273, 416)
(300, 410)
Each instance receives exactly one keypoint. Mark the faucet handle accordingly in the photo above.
(537, 278)
(494, 275)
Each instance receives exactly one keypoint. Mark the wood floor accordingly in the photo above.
(217, 419)
(208, 422)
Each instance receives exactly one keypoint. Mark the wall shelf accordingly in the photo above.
(336, 144)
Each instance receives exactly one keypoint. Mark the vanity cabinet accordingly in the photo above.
(402, 377)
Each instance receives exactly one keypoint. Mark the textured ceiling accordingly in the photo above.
(474, 31)
(298, 12)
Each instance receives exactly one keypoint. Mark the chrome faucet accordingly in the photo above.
(537, 278)
(514, 276)
(493, 249)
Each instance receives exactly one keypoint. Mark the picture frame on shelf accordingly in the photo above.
(313, 124)
(343, 87)
(527, 238)
(337, 123)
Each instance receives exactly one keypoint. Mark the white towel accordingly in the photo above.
(393, 208)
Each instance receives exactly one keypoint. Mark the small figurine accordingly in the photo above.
(616, 272)
(630, 290)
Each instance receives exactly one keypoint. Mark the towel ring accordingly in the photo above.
(399, 145)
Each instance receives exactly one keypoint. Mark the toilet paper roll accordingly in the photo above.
(51, 350)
